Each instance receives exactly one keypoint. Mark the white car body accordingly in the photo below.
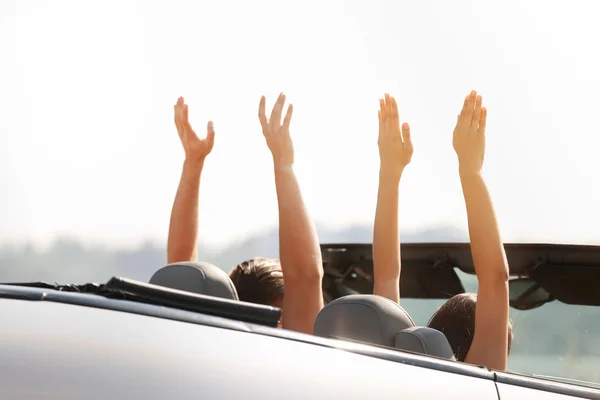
(56, 345)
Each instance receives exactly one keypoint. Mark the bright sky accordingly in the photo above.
(88, 145)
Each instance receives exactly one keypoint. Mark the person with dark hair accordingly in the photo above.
(477, 326)
(456, 319)
(258, 280)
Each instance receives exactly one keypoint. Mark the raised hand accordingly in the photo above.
(277, 133)
(196, 149)
(183, 228)
(469, 134)
(395, 146)
(488, 343)
(299, 250)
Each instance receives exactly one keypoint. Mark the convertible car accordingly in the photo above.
(185, 335)
(554, 290)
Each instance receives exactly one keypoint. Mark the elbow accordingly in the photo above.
(495, 277)
(312, 276)
(309, 274)
(386, 271)
(491, 268)
(503, 273)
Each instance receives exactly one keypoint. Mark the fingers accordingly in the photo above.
(463, 112)
(262, 115)
(395, 119)
(476, 114)
(388, 104)
(470, 107)
(394, 109)
(277, 110)
(389, 117)
(178, 125)
(482, 121)
(184, 122)
(177, 106)
(177, 115)
(383, 110)
(288, 117)
(274, 122)
(184, 113)
(388, 110)
(382, 116)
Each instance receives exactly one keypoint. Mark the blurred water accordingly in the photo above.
(585, 368)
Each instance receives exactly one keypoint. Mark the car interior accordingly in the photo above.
(540, 274)
(363, 318)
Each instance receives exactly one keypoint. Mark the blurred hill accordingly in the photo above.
(566, 332)
(67, 260)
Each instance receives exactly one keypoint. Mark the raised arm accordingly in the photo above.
(299, 249)
(183, 228)
(395, 152)
(490, 340)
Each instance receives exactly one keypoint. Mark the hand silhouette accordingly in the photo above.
(395, 146)
(277, 134)
(469, 134)
(196, 149)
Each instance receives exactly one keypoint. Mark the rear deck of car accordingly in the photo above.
(95, 348)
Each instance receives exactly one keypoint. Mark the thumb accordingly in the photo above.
(210, 132)
(406, 133)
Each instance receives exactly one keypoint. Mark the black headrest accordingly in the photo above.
(366, 318)
(196, 277)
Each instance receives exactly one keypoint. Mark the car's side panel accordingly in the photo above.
(520, 384)
(57, 351)
(512, 392)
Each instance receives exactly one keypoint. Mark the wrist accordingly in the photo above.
(193, 166)
(390, 174)
(283, 168)
(279, 165)
(469, 166)
(469, 173)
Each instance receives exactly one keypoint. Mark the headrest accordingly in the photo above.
(424, 340)
(196, 277)
(366, 318)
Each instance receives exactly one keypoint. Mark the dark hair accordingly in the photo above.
(259, 280)
(456, 320)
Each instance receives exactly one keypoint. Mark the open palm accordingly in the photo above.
(395, 145)
(276, 132)
(196, 149)
(469, 134)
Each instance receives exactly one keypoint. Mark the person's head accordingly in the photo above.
(259, 280)
(456, 320)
